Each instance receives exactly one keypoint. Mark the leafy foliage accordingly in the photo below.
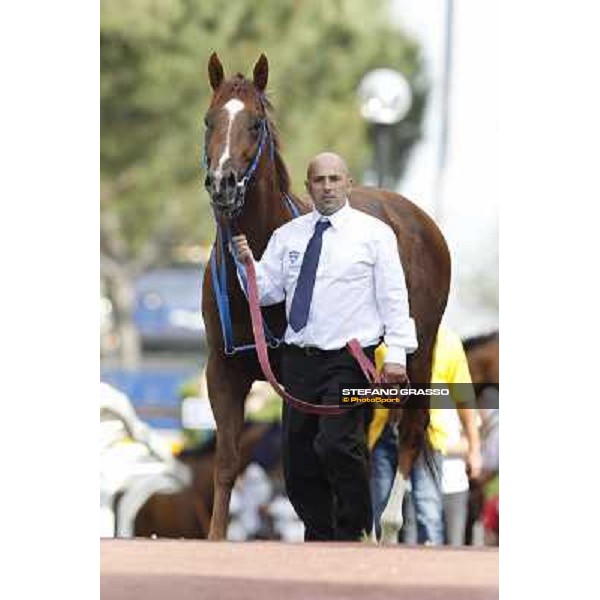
(154, 91)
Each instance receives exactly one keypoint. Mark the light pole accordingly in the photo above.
(385, 99)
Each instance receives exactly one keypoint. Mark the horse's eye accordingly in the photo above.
(255, 126)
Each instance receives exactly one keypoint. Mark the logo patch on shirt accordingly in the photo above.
(293, 256)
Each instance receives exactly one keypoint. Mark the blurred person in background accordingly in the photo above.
(483, 353)
(424, 506)
(490, 431)
(490, 475)
(455, 482)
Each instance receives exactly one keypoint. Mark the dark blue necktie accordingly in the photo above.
(306, 279)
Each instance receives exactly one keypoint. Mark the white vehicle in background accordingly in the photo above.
(135, 463)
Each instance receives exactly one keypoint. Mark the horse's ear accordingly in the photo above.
(261, 73)
(215, 71)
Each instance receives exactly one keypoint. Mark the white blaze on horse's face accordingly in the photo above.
(233, 108)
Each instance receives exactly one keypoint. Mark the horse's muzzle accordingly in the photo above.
(226, 192)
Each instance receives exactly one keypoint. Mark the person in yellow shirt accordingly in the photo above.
(449, 367)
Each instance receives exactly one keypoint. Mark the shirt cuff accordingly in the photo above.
(396, 355)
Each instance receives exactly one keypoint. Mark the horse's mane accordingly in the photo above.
(240, 87)
(478, 340)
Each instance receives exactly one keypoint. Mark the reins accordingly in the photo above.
(218, 273)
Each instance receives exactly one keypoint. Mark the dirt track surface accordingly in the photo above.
(182, 570)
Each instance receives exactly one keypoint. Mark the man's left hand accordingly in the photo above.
(394, 373)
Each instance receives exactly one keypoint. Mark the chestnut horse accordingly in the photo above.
(249, 188)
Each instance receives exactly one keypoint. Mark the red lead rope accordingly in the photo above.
(261, 348)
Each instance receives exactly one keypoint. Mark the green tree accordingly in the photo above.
(154, 91)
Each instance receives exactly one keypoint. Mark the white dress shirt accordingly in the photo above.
(360, 290)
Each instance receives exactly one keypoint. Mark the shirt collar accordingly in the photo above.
(336, 219)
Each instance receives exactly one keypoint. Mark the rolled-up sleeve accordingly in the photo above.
(392, 299)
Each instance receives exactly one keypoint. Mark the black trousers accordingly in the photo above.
(325, 458)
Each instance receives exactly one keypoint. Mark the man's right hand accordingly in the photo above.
(241, 247)
(394, 373)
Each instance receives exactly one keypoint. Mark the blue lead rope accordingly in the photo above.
(218, 274)
(272, 341)
(219, 283)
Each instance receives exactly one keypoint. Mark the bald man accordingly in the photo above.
(339, 273)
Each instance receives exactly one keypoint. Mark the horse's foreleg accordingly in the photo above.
(227, 465)
(227, 400)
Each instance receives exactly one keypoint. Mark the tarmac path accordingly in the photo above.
(194, 570)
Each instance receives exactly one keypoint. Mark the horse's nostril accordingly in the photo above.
(208, 182)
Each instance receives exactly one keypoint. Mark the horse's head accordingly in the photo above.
(237, 134)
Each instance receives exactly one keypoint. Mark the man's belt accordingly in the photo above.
(314, 350)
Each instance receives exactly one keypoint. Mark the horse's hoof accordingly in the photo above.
(389, 532)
